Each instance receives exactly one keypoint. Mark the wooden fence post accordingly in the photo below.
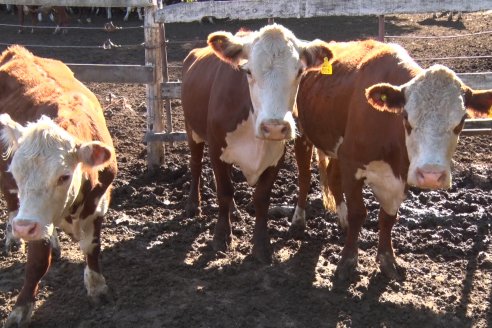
(381, 28)
(165, 74)
(153, 56)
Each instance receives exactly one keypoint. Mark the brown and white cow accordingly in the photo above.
(383, 121)
(57, 167)
(238, 96)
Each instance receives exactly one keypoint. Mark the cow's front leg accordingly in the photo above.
(304, 151)
(261, 198)
(356, 214)
(386, 256)
(90, 244)
(38, 262)
(225, 192)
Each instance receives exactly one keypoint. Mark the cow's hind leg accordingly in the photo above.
(304, 151)
(261, 240)
(225, 192)
(334, 190)
(90, 245)
(192, 206)
(38, 262)
(356, 214)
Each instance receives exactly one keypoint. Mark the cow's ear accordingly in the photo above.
(314, 53)
(227, 47)
(94, 153)
(11, 133)
(478, 101)
(386, 97)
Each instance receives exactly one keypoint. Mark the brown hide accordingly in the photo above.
(334, 106)
(30, 87)
(331, 107)
(214, 84)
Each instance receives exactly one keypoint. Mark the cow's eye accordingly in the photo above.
(62, 179)
(459, 127)
(407, 125)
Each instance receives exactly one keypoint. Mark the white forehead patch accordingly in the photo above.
(434, 100)
(42, 153)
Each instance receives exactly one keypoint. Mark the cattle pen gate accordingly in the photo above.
(154, 73)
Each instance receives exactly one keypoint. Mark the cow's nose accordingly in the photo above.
(431, 178)
(26, 229)
(275, 130)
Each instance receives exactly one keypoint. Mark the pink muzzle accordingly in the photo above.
(26, 229)
(432, 178)
(275, 130)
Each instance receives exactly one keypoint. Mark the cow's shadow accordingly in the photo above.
(143, 276)
(456, 25)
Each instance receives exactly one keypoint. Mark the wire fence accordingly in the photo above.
(110, 45)
(108, 27)
(107, 45)
(437, 37)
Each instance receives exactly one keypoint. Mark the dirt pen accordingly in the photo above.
(160, 264)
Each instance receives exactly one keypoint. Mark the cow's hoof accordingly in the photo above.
(192, 209)
(296, 231)
(14, 245)
(262, 251)
(346, 268)
(262, 255)
(222, 244)
(387, 265)
(20, 316)
(105, 296)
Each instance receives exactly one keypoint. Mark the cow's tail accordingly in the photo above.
(328, 198)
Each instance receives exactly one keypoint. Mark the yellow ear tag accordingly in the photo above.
(326, 68)
(384, 97)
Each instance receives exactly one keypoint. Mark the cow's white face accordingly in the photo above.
(47, 165)
(432, 106)
(434, 115)
(274, 60)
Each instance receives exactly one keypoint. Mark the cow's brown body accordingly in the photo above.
(359, 144)
(238, 96)
(219, 102)
(31, 87)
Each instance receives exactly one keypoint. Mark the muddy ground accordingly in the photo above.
(161, 267)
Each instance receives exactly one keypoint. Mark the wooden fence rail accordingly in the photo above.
(256, 9)
(82, 3)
